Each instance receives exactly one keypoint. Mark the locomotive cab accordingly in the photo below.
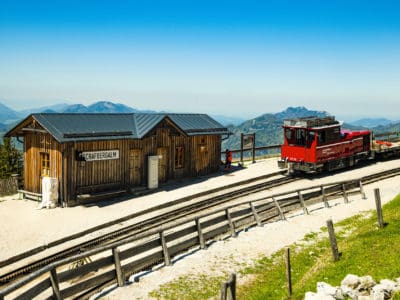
(315, 144)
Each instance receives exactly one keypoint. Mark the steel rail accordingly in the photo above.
(370, 179)
(145, 225)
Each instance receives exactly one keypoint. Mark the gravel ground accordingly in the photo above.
(254, 243)
(25, 227)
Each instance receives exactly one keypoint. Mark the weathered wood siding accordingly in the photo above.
(34, 144)
(205, 154)
(100, 175)
(201, 156)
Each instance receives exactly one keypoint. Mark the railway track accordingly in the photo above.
(187, 206)
(334, 189)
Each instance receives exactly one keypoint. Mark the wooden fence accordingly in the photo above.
(247, 153)
(9, 186)
(116, 262)
(228, 288)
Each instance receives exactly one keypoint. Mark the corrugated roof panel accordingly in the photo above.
(196, 122)
(89, 127)
(146, 122)
(80, 126)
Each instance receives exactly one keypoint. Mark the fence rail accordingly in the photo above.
(116, 262)
(248, 152)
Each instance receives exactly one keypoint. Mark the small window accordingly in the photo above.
(179, 157)
(321, 137)
(310, 138)
(300, 137)
(288, 133)
(45, 164)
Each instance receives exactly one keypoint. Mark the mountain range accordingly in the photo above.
(10, 116)
(267, 127)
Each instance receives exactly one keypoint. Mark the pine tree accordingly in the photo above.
(9, 159)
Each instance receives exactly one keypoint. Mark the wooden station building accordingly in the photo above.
(92, 154)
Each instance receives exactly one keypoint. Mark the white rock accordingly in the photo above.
(310, 296)
(396, 289)
(324, 288)
(366, 284)
(379, 292)
(388, 284)
(349, 292)
(369, 297)
(351, 281)
(339, 294)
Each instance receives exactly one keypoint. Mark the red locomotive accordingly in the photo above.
(315, 144)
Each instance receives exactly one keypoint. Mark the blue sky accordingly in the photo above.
(237, 58)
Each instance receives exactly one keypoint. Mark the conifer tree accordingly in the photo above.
(9, 159)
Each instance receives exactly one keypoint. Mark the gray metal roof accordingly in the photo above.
(87, 127)
(146, 122)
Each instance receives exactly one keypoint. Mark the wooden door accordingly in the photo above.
(162, 163)
(135, 167)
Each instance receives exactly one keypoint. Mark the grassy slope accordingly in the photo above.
(365, 249)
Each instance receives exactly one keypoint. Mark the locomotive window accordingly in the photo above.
(300, 137)
(310, 138)
(288, 133)
(321, 137)
(290, 136)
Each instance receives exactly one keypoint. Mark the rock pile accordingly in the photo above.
(356, 288)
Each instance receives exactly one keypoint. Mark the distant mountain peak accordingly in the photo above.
(299, 112)
(110, 107)
(372, 122)
(7, 113)
(76, 108)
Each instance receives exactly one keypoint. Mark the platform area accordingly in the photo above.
(25, 227)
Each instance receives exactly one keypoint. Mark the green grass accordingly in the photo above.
(365, 250)
(190, 288)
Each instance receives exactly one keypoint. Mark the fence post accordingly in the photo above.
(200, 233)
(15, 182)
(256, 216)
(363, 196)
(254, 148)
(241, 148)
(231, 225)
(332, 239)
(224, 287)
(167, 258)
(230, 286)
(379, 208)
(346, 199)
(55, 284)
(279, 209)
(324, 198)
(305, 210)
(118, 268)
(288, 272)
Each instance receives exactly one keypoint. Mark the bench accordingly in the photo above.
(29, 195)
(99, 192)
